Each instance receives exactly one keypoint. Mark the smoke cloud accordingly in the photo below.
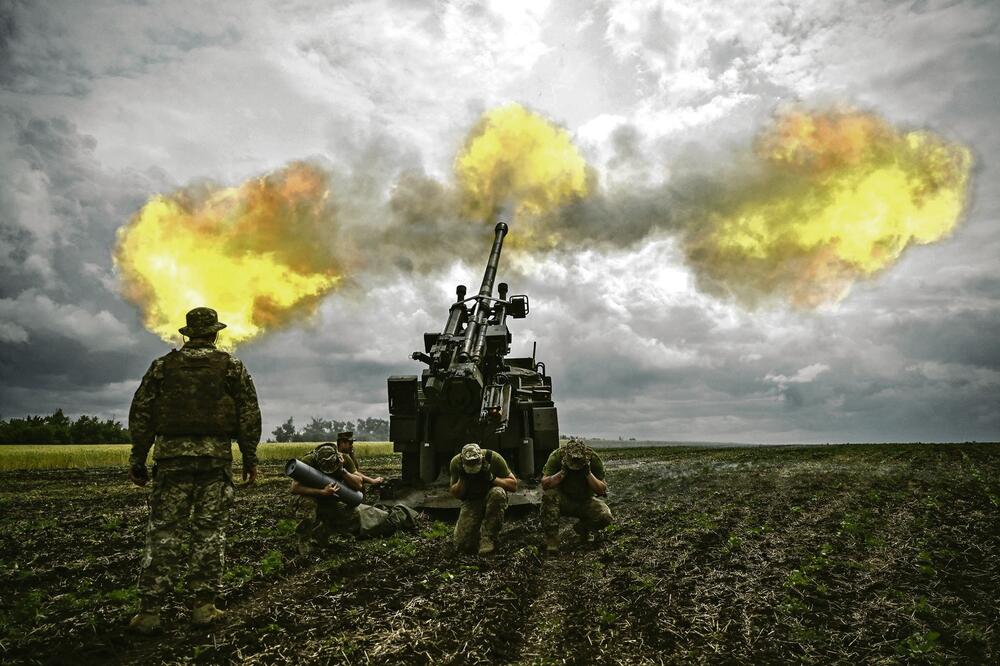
(827, 199)
(823, 199)
(262, 254)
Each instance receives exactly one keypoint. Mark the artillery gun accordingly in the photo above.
(471, 391)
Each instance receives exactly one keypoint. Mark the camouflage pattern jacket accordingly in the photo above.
(240, 397)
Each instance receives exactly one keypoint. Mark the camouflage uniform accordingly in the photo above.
(325, 517)
(483, 504)
(573, 497)
(190, 502)
(192, 476)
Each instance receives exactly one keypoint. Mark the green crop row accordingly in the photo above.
(84, 456)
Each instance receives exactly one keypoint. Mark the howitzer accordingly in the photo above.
(471, 390)
(313, 478)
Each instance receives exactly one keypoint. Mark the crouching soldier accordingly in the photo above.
(481, 479)
(345, 444)
(328, 515)
(571, 478)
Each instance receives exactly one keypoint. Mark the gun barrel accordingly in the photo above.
(491, 266)
(476, 327)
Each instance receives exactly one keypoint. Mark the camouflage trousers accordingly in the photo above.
(363, 521)
(593, 513)
(481, 517)
(188, 512)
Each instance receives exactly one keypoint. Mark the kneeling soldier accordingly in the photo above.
(571, 478)
(345, 444)
(481, 479)
(329, 515)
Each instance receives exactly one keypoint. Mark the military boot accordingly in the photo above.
(582, 532)
(552, 544)
(145, 622)
(486, 546)
(205, 614)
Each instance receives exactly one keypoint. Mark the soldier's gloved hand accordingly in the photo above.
(138, 475)
(250, 475)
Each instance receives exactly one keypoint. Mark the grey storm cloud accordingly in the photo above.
(101, 107)
(65, 332)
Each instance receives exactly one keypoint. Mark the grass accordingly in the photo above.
(86, 456)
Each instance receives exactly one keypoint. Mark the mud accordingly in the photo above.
(825, 554)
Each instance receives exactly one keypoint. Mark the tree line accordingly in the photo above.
(57, 428)
(322, 430)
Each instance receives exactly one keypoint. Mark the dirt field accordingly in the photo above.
(826, 554)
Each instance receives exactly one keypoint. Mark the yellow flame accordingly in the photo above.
(844, 194)
(516, 155)
(258, 253)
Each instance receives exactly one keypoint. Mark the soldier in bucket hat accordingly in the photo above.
(481, 479)
(572, 479)
(189, 407)
(201, 323)
(326, 515)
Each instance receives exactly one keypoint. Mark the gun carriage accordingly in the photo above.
(472, 391)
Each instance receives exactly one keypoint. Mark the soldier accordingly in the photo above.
(571, 478)
(481, 479)
(345, 444)
(190, 404)
(329, 515)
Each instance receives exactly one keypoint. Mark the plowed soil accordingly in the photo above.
(836, 554)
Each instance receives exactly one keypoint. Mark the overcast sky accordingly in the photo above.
(105, 103)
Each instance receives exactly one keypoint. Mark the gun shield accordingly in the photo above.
(313, 478)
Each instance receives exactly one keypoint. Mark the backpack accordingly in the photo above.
(194, 396)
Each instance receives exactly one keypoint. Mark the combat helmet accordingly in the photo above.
(576, 455)
(327, 458)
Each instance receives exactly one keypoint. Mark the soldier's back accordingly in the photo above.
(195, 412)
